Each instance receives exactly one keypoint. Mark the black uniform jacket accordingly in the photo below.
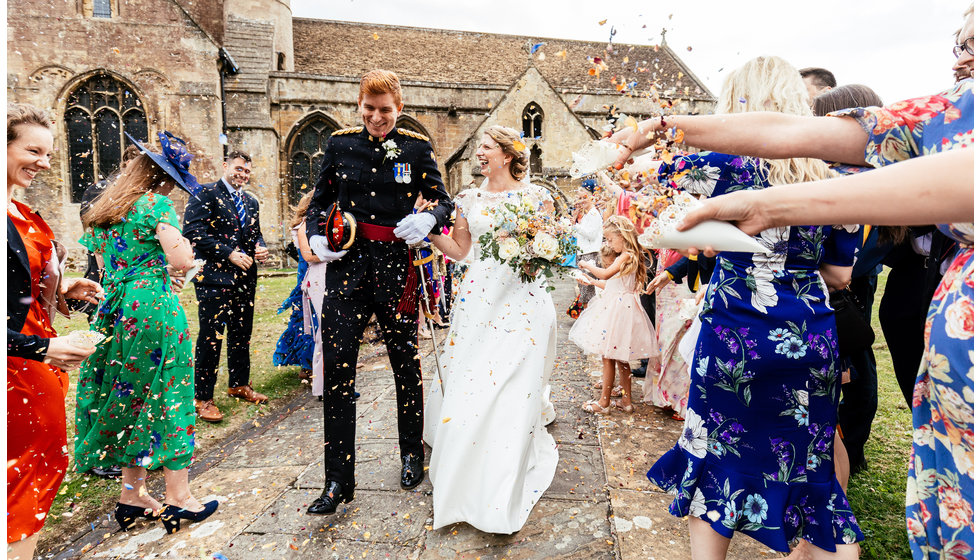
(211, 223)
(360, 173)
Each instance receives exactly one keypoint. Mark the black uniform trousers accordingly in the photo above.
(219, 307)
(859, 398)
(344, 320)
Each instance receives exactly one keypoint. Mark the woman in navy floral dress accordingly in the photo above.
(756, 452)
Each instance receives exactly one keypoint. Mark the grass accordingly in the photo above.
(877, 494)
(82, 495)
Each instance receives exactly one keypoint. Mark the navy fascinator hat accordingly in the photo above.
(175, 160)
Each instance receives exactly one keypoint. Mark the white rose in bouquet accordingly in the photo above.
(509, 248)
(545, 245)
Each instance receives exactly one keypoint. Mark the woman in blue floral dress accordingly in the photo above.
(756, 451)
(939, 500)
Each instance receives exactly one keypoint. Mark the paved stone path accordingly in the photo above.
(600, 504)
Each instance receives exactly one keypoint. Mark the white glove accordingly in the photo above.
(320, 248)
(414, 227)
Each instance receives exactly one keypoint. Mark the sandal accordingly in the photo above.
(593, 407)
(617, 391)
(677, 417)
(627, 408)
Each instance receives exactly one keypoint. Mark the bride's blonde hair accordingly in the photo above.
(508, 139)
(769, 83)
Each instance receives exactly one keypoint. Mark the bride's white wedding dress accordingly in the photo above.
(492, 458)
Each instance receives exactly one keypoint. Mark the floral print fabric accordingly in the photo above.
(756, 451)
(135, 398)
(939, 496)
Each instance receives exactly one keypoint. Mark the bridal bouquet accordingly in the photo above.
(529, 241)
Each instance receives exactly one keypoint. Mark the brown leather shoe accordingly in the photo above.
(247, 393)
(208, 411)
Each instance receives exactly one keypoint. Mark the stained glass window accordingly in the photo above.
(99, 110)
(306, 153)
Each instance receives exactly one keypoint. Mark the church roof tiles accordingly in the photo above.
(337, 48)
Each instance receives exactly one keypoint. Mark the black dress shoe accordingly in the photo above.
(333, 495)
(641, 370)
(412, 471)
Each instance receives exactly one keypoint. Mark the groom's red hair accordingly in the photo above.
(380, 82)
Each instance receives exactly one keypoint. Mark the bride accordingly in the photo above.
(492, 457)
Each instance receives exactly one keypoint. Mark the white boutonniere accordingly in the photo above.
(392, 150)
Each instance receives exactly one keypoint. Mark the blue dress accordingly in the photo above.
(295, 347)
(756, 451)
(939, 502)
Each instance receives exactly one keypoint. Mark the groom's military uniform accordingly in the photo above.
(378, 181)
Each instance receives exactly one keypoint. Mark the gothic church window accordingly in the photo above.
(99, 111)
(102, 9)
(532, 120)
(306, 153)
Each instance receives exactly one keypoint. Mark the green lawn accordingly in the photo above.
(83, 495)
(877, 495)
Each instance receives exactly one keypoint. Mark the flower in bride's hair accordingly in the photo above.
(509, 248)
(545, 245)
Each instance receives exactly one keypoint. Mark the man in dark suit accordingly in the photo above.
(375, 172)
(223, 225)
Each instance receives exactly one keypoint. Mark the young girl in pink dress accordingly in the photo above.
(614, 324)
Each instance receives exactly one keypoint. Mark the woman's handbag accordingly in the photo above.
(854, 333)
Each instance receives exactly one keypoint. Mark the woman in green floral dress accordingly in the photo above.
(135, 398)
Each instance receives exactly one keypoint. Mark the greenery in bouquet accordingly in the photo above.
(530, 240)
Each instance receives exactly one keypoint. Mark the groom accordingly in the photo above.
(376, 172)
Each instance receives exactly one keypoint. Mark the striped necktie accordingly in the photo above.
(240, 206)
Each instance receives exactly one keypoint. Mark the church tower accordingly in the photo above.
(259, 39)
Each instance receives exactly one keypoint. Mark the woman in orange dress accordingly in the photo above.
(36, 357)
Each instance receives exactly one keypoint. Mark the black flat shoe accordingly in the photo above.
(127, 515)
(110, 473)
(171, 515)
(412, 471)
(333, 495)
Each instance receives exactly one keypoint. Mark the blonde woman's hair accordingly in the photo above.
(634, 264)
(769, 83)
(138, 177)
(299, 211)
(23, 114)
(507, 137)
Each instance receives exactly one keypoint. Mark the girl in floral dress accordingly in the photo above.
(755, 454)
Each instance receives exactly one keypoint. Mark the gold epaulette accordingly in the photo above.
(413, 134)
(351, 130)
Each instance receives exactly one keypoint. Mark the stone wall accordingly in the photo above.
(167, 51)
(151, 45)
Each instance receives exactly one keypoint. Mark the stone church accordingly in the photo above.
(246, 74)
